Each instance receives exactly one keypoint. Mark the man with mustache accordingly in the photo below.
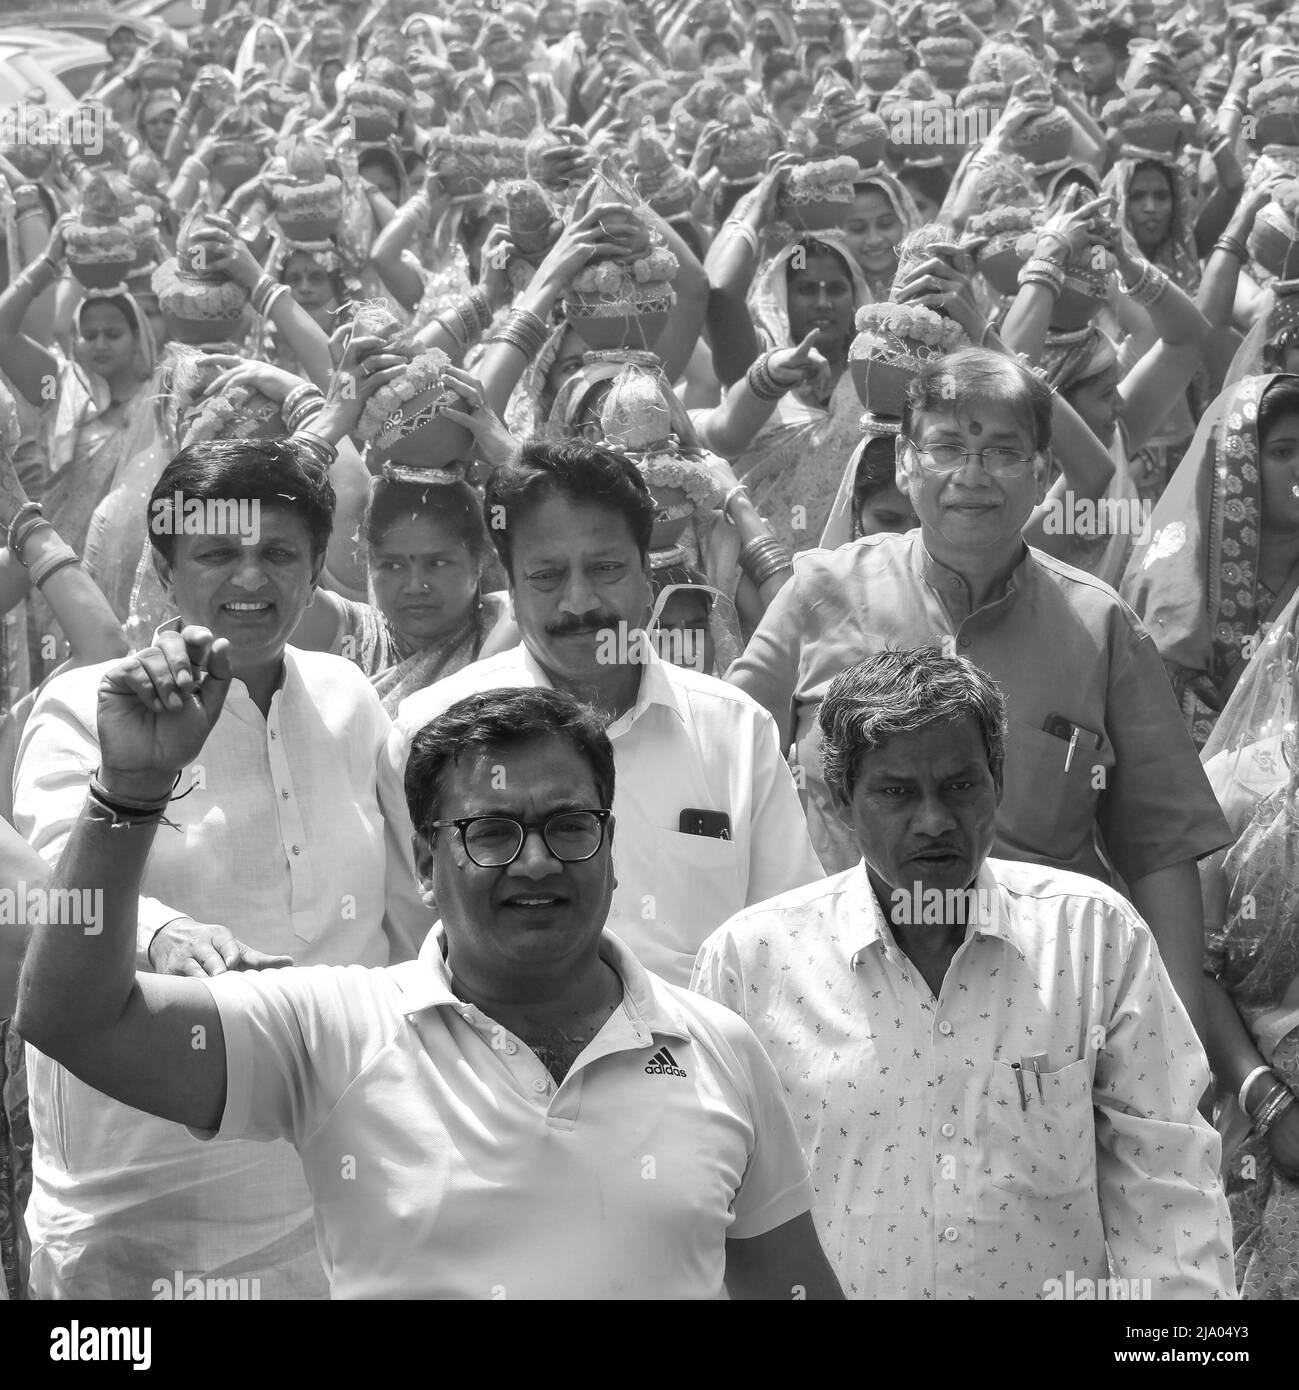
(991, 1072)
(709, 816)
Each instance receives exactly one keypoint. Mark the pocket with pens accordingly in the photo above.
(1041, 1132)
(1054, 777)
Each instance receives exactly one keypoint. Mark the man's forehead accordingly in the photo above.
(942, 744)
(992, 417)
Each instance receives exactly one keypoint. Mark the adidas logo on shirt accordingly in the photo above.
(663, 1063)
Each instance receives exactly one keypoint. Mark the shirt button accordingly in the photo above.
(511, 1048)
(539, 1085)
(274, 735)
(951, 1233)
(285, 795)
(297, 849)
(948, 1130)
(945, 1028)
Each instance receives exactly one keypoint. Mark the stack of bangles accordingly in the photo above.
(1233, 101)
(1233, 246)
(123, 814)
(1040, 271)
(469, 320)
(1274, 1104)
(72, 167)
(320, 448)
(762, 381)
(27, 521)
(303, 403)
(524, 330)
(264, 294)
(763, 558)
(1149, 287)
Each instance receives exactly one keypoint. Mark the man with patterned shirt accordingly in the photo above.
(991, 1072)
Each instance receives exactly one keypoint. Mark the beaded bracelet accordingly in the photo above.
(49, 565)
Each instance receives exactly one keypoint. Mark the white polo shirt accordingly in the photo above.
(690, 742)
(444, 1162)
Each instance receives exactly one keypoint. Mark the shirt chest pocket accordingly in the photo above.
(1051, 808)
(697, 884)
(1041, 1146)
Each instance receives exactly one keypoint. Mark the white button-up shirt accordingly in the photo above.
(689, 742)
(281, 838)
(445, 1162)
(935, 1176)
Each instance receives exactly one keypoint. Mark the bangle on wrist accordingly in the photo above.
(1277, 1103)
(25, 532)
(49, 565)
(762, 383)
(129, 803)
(740, 489)
(1233, 246)
(1242, 1095)
(324, 453)
(28, 509)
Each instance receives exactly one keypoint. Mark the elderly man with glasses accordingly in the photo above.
(522, 1112)
(1101, 775)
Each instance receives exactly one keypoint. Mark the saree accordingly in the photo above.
(1251, 897)
(793, 465)
(1193, 576)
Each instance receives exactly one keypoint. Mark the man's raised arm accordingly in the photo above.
(151, 1041)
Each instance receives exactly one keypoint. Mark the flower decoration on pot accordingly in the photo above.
(997, 260)
(238, 147)
(467, 164)
(101, 248)
(1274, 104)
(1274, 241)
(308, 201)
(623, 302)
(947, 60)
(882, 66)
(636, 421)
(409, 424)
(925, 133)
(988, 98)
(893, 342)
(199, 304)
(746, 144)
(377, 99)
(1149, 122)
(242, 412)
(668, 188)
(860, 134)
(1004, 62)
(816, 196)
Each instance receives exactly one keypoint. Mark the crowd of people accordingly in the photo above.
(750, 545)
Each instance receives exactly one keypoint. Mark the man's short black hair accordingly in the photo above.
(580, 473)
(270, 472)
(1115, 35)
(500, 720)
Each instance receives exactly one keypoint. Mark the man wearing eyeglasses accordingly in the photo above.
(524, 1111)
(710, 816)
(1101, 775)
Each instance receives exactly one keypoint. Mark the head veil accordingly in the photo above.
(769, 294)
(246, 59)
(1275, 329)
(841, 525)
(1177, 255)
(1193, 577)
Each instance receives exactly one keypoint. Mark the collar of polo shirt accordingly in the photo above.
(426, 984)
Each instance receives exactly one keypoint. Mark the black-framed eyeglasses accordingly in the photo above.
(493, 842)
(948, 458)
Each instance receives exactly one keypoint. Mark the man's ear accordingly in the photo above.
(162, 567)
(1044, 475)
(902, 471)
(423, 851)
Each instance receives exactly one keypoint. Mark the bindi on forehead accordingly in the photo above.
(975, 427)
